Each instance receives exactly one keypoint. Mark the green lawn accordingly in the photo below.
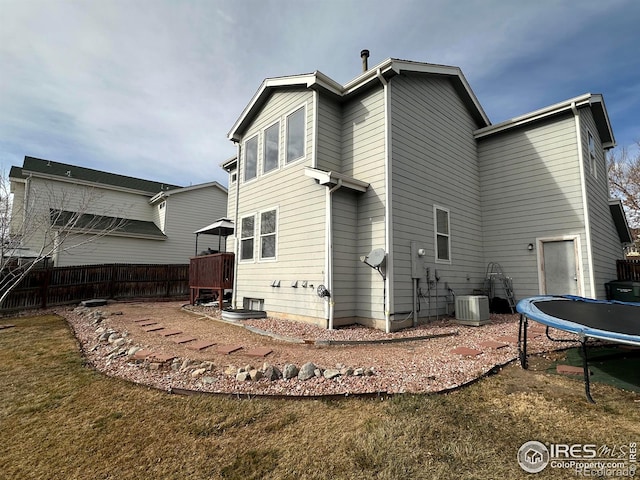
(62, 420)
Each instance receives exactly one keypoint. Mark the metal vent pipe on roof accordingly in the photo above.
(364, 55)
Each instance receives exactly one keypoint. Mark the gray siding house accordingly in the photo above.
(151, 222)
(402, 163)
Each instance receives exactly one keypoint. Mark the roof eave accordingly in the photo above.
(594, 101)
(620, 220)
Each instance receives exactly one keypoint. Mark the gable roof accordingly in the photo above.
(387, 69)
(594, 101)
(49, 168)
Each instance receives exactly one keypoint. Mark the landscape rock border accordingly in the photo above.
(118, 345)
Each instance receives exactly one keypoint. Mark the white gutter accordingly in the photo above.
(388, 233)
(534, 116)
(236, 241)
(329, 250)
(585, 206)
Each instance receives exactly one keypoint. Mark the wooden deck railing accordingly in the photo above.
(211, 272)
(628, 270)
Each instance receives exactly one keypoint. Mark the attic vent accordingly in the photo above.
(68, 174)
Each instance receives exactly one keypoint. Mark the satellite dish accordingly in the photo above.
(375, 257)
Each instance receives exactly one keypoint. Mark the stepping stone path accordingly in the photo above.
(170, 333)
(500, 342)
(200, 345)
(259, 352)
(149, 325)
(467, 352)
(153, 328)
(186, 339)
(227, 349)
(490, 344)
(570, 370)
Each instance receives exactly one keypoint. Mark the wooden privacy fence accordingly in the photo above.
(628, 270)
(64, 285)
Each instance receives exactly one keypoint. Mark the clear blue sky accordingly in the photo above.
(150, 88)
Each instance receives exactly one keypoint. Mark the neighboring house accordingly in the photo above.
(403, 158)
(147, 222)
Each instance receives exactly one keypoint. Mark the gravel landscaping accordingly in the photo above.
(416, 360)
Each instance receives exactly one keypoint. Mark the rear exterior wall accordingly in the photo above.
(531, 189)
(434, 161)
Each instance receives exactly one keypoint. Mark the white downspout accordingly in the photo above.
(585, 199)
(388, 234)
(314, 152)
(236, 240)
(329, 252)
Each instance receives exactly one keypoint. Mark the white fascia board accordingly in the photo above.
(334, 178)
(533, 116)
(597, 98)
(228, 163)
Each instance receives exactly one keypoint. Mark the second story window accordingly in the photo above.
(295, 135)
(271, 147)
(251, 158)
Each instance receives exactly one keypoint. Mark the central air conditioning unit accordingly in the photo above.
(472, 310)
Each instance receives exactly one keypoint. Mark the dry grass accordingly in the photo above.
(59, 419)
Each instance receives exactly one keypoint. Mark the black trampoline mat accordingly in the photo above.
(611, 317)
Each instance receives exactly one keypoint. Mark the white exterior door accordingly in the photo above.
(559, 267)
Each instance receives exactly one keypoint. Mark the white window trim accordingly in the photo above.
(286, 135)
(436, 234)
(259, 234)
(244, 158)
(264, 147)
(255, 222)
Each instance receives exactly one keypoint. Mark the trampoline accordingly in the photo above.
(611, 321)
